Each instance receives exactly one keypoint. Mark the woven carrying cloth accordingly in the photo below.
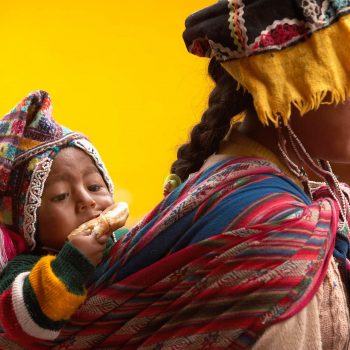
(29, 140)
(188, 278)
(291, 52)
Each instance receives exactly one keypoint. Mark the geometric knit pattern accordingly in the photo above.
(23, 133)
(189, 278)
(234, 29)
(26, 127)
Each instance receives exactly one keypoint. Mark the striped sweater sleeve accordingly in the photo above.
(38, 297)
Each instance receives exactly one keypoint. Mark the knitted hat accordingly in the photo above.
(29, 140)
(284, 53)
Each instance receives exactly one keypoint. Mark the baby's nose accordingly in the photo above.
(85, 201)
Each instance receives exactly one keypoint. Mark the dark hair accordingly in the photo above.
(225, 101)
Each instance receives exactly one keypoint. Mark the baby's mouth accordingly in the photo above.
(91, 217)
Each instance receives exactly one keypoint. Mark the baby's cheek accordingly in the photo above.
(58, 220)
(109, 201)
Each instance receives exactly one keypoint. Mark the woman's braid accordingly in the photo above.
(225, 101)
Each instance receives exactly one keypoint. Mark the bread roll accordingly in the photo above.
(108, 221)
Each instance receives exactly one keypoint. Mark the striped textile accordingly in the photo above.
(232, 251)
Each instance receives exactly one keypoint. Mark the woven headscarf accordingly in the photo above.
(284, 53)
(29, 140)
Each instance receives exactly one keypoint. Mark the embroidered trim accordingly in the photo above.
(236, 20)
(324, 7)
(221, 52)
(33, 200)
(87, 147)
(46, 146)
(276, 36)
(332, 8)
(312, 11)
(279, 35)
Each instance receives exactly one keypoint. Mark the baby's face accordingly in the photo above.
(74, 193)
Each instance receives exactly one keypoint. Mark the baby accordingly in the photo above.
(57, 216)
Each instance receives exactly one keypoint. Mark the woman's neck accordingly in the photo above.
(252, 139)
(265, 135)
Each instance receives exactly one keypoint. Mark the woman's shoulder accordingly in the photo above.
(253, 174)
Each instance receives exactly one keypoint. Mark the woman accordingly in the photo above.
(246, 253)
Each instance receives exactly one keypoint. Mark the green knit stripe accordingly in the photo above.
(72, 268)
(19, 264)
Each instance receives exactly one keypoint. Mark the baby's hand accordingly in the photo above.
(90, 246)
(91, 237)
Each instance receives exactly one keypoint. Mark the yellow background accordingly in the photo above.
(117, 71)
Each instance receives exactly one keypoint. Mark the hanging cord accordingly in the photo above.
(320, 167)
(323, 169)
(299, 172)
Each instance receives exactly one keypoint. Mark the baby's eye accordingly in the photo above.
(94, 187)
(60, 197)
